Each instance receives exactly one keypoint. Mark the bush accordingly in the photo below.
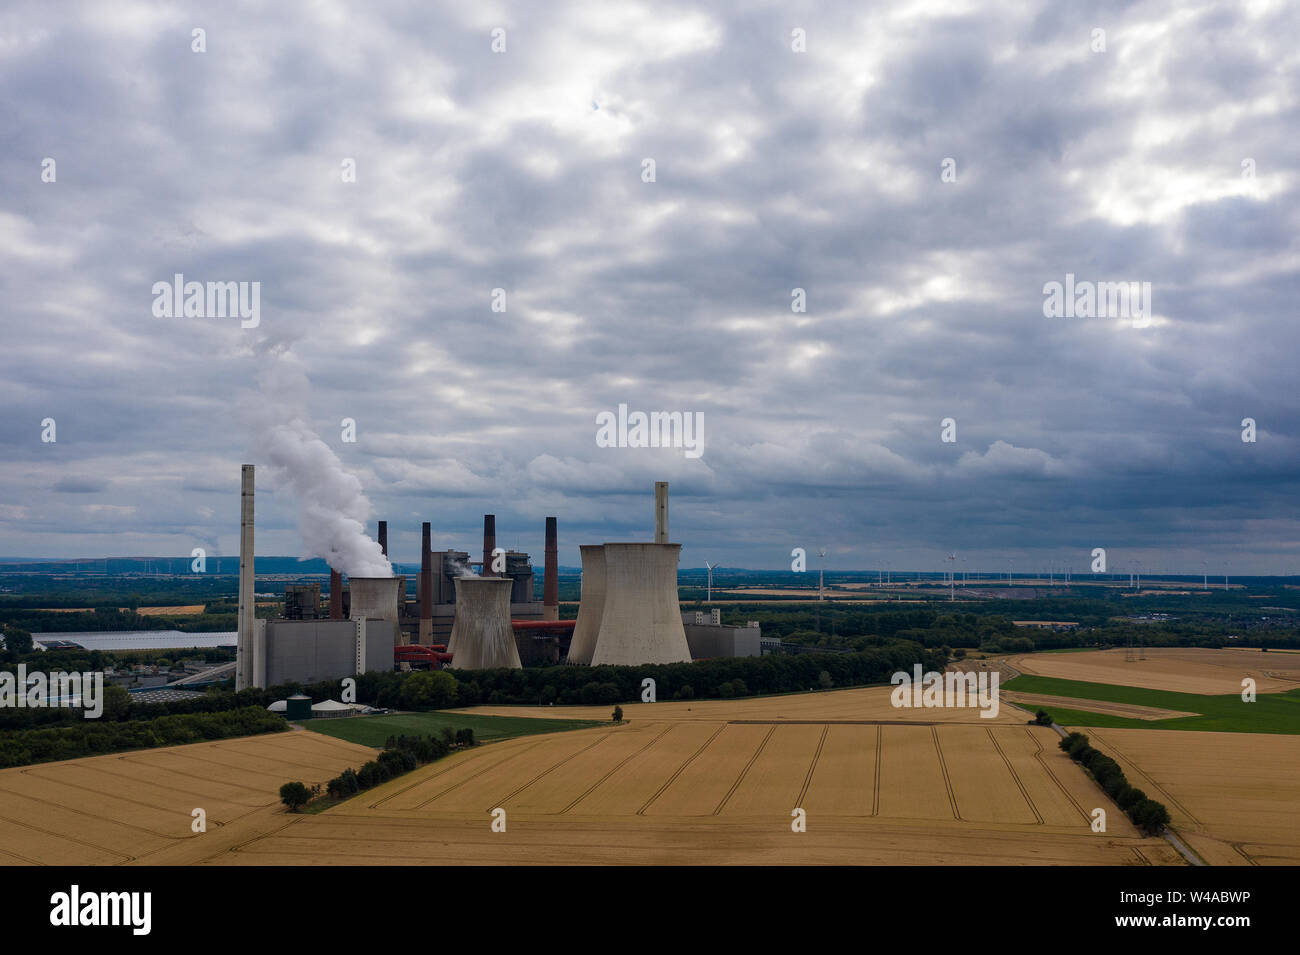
(428, 690)
(617, 715)
(294, 796)
(1149, 816)
(465, 737)
(684, 692)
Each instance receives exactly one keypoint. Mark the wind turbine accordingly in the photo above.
(821, 574)
(1205, 575)
(709, 597)
(952, 556)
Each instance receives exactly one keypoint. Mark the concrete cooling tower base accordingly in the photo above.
(641, 620)
(482, 637)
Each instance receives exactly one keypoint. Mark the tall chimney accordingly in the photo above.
(661, 512)
(383, 536)
(247, 596)
(336, 595)
(425, 637)
(489, 543)
(551, 582)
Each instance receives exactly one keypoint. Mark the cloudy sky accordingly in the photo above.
(1163, 151)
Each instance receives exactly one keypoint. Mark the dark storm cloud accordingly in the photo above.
(775, 171)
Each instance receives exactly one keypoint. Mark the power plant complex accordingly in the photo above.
(628, 613)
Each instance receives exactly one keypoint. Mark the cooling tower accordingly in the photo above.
(374, 598)
(481, 637)
(591, 606)
(641, 621)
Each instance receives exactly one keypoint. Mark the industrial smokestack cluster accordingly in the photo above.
(629, 614)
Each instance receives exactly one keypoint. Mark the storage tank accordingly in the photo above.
(297, 707)
(641, 620)
(481, 637)
(591, 604)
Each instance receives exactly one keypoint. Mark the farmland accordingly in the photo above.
(681, 782)
(716, 783)
(1174, 669)
(137, 807)
(1232, 798)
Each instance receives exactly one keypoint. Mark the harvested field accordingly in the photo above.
(680, 783)
(136, 806)
(693, 790)
(1232, 796)
(187, 610)
(1178, 669)
(1132, 711)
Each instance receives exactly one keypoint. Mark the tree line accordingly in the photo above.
(1147, 814)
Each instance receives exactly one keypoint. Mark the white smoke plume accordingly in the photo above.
(461, 568)
(332, 508)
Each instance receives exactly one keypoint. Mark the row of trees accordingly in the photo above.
(400, 755)
(606, 685)
(1147, 814)
(92, 737)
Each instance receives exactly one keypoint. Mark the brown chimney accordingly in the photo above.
(425, 637)
(336, 595)
(383, 536)
(551, 584)
(489, 543)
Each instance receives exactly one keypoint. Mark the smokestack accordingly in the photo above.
(425, 637)
(247, 597)
(551, 581)
(383, 537)
(489, 543)
(661, 512)
(336, 595)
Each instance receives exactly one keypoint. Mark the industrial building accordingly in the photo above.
(708, 637)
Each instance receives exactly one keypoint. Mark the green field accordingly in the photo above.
(1270, 713)
(375, 730)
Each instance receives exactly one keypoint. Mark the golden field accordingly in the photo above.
(1233, 796)
(1178, 669)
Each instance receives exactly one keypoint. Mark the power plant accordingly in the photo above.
(628, 614)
